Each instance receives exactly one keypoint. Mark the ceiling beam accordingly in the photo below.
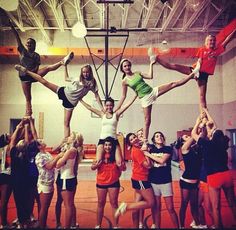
(196, 13)
(171, 15)
(149, 8)
(57, 12)
(33, 14)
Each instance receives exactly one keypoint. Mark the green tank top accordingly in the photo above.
(139, 85)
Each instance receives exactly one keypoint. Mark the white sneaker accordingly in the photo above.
(20, 68)
(67, 59)
(97, 227)
(153, 226)
(193, 224)
(121, 209)
(152, 58)
(140, 226)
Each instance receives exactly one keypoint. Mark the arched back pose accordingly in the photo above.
(5, 178)
(108, 174)
(67, 180)
(144, 197)
(190, 179)
(109, 126)
(161, 179)
(147, 94)
(70, 94)
(31, 60)
(207, 57)
(218, 174)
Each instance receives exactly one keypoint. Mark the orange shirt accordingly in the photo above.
(138, 171)
(209, 58)
(108, 174)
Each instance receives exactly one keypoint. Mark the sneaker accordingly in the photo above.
(20, 68)
(121, 209)
(152, 58)
(97, 227)
(193, 224)
(140, 226)
(67, 59)
(153, 226)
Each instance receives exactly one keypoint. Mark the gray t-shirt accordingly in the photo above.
(75, 91)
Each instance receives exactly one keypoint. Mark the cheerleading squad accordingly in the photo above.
(29, 171)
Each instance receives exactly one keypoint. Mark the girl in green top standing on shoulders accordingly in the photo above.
(147, 94)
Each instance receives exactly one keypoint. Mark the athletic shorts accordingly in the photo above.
(65, 102)
(27, 78)
(202, 75)
(220, 179)
(189, 186)
(150, 98)
(5, 179)
(45, 188)
(140, 185)
(114, 141)
(114, 185)
(67, 184)
(203, 186)
(164, 190)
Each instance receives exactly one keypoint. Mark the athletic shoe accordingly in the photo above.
(121, 209)
(152, 58)
(67, 59)
(97, 227)
(153, 226)
(20, 68)
(193, 224)
(140, 226)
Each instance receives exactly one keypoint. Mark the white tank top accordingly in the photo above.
(67, 170)
(109, 126)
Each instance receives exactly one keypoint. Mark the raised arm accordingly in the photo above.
(195, 134)
(19, 42)
(26, 135)
(186, 146)
(126, 106)
(89, 107)
(228, 38)
(150, 74)
(16, 134)
(99, 101)
(33, 129)
(123, 96)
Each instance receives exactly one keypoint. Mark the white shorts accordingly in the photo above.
(45, 188)
(150, 98)
(164, 190)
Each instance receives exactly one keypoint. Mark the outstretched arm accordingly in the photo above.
(195, 134)
(228, 38)
(89, 107)
(99, 101)
(33, 129)
(126, 106)
(122, 99)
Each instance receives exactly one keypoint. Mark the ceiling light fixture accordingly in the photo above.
(79, 30)
(9, 5)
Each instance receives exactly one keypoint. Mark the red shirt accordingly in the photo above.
(138, 171)
(108, 174)
(209, 58)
